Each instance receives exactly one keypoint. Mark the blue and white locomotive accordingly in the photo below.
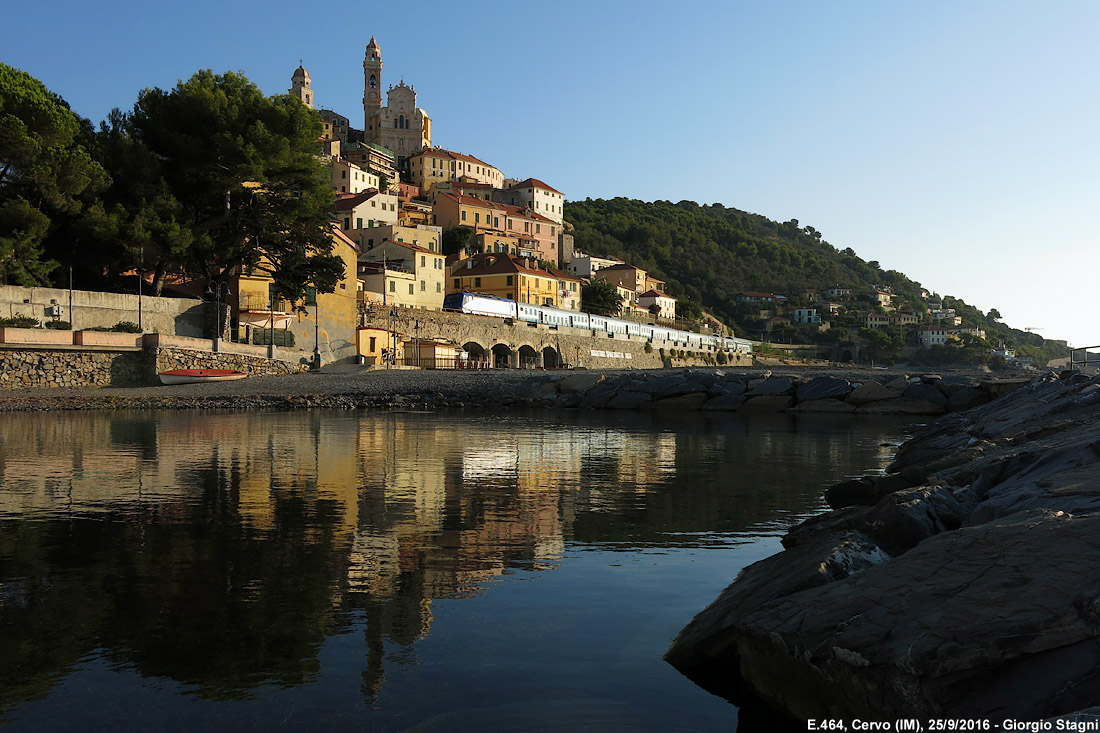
(490, 305)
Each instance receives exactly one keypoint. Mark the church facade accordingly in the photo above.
(399, 125)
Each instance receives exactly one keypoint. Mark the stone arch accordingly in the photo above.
(529, 358)
(477, 356)
(502, 356)
(550, 357)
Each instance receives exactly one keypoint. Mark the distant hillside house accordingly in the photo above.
(807, 316)
(931, 336)
(903, 319)
(876, 321)
(775, 322)
(666, 303)
(750, 297)
(838, 292)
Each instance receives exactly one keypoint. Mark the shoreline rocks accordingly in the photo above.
(711, 389)
(962, 583)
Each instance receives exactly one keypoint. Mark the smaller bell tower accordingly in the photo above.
(299, 86)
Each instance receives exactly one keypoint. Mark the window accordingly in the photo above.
(458, 284)
(477, 282)
(423, 263)
(358, 222)
(423, 286)
(464, 215)
(373, 345)
(508, 280)
(393, 286)
(477, 218)
(439, 287)
(347, 223)
(412, 289)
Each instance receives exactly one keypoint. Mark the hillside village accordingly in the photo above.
(411, 223)
(401, 201)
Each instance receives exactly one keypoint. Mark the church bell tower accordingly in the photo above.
(372, 84)
(299, 86)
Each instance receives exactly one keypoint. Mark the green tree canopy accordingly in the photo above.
(600, 298)
(45, 170)
(240, 171)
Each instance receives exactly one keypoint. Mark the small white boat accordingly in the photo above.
(191, 376)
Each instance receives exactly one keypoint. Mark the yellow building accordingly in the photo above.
(435, 165)
(404, 274)
(523, 281)
(328, 323)
(453, 209)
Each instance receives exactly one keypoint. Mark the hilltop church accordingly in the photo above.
(400, 125)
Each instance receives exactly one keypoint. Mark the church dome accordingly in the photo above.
(300, 72)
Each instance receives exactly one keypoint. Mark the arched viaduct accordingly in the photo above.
(518, 345)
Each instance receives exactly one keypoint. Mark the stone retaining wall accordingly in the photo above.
(167, 358)
(132, 367)
(46, 368)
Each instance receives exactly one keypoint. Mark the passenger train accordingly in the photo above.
(490, 305)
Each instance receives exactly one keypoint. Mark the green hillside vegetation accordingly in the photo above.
(709, 254)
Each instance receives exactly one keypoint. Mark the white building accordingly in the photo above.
(365, 210)
(347, 177)
(932, 336)
(666, 303)
(583, 265)
(541, 197)
(807, 316)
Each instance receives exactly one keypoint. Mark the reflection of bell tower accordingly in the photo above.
(299, 86)
(372, 83)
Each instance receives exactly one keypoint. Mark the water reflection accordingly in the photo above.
(222, 551)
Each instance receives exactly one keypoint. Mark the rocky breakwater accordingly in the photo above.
(723, 390)
(962, 583)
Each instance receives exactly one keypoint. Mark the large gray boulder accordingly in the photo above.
(966, 624)
(988, 604)
(820, 388)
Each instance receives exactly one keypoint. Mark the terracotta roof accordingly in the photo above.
(655, 294)
(490, 263)
(450, 154)
(525, 213)
(534, 183)
(471, 200)
(350, 201)
(407, 245)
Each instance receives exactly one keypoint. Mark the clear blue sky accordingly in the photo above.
(955, 142)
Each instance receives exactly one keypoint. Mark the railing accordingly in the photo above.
(446, 362)
(1085, 357)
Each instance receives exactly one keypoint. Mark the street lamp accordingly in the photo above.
(393, 337)
(218, 289)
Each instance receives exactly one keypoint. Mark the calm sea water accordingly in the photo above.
(364, 571)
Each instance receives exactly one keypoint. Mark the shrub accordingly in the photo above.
(126, 327)
(721, 358)
(19, 321)
(648, 348)
(59, 325)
